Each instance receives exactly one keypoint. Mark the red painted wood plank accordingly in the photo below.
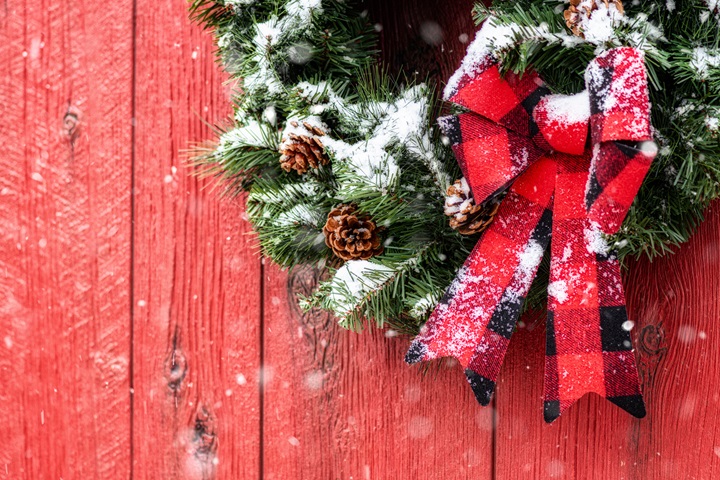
(65, 239)
(345, 405)
(676, 306)
(342, 405)
(197, 274)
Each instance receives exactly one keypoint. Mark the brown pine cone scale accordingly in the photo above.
(303, 152)
(352, 236)
(580, 10)
(466, 217)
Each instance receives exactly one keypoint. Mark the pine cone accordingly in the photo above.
(581, 10)
(301, 152)
(351, 236)
(466, 217)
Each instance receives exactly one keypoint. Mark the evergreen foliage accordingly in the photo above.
(315, 61)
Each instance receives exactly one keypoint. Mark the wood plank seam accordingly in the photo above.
(261, 375)
(133, 141)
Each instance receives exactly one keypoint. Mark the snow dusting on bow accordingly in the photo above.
(595, 240)
(558, 290)
(623, 92)
(530, 259)
(568, 109)
(474, 298)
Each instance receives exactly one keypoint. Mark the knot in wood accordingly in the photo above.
(175, 370)
(71, 122)
(204, 438)
(652, 340)
(304, 280)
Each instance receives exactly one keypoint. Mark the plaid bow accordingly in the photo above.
(520, 139)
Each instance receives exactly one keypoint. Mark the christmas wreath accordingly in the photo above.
(345, 168)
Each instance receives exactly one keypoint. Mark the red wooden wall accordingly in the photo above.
(141, 336)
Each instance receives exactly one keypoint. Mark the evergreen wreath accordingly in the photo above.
(344, 168)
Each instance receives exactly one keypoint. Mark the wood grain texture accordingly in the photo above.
(64, 239)
(197, 272)
(345, 405)
(674, 302)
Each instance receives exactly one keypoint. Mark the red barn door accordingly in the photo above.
(142, 337)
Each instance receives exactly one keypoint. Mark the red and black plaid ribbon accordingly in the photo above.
(519, 138)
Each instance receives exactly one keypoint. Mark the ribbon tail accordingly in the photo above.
(588, 345)
(484, 367)
(477, 316)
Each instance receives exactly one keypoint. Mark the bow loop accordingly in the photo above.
(619, 99)
(563, 121)
(621, 134)
(499, 133)
(506, 100)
